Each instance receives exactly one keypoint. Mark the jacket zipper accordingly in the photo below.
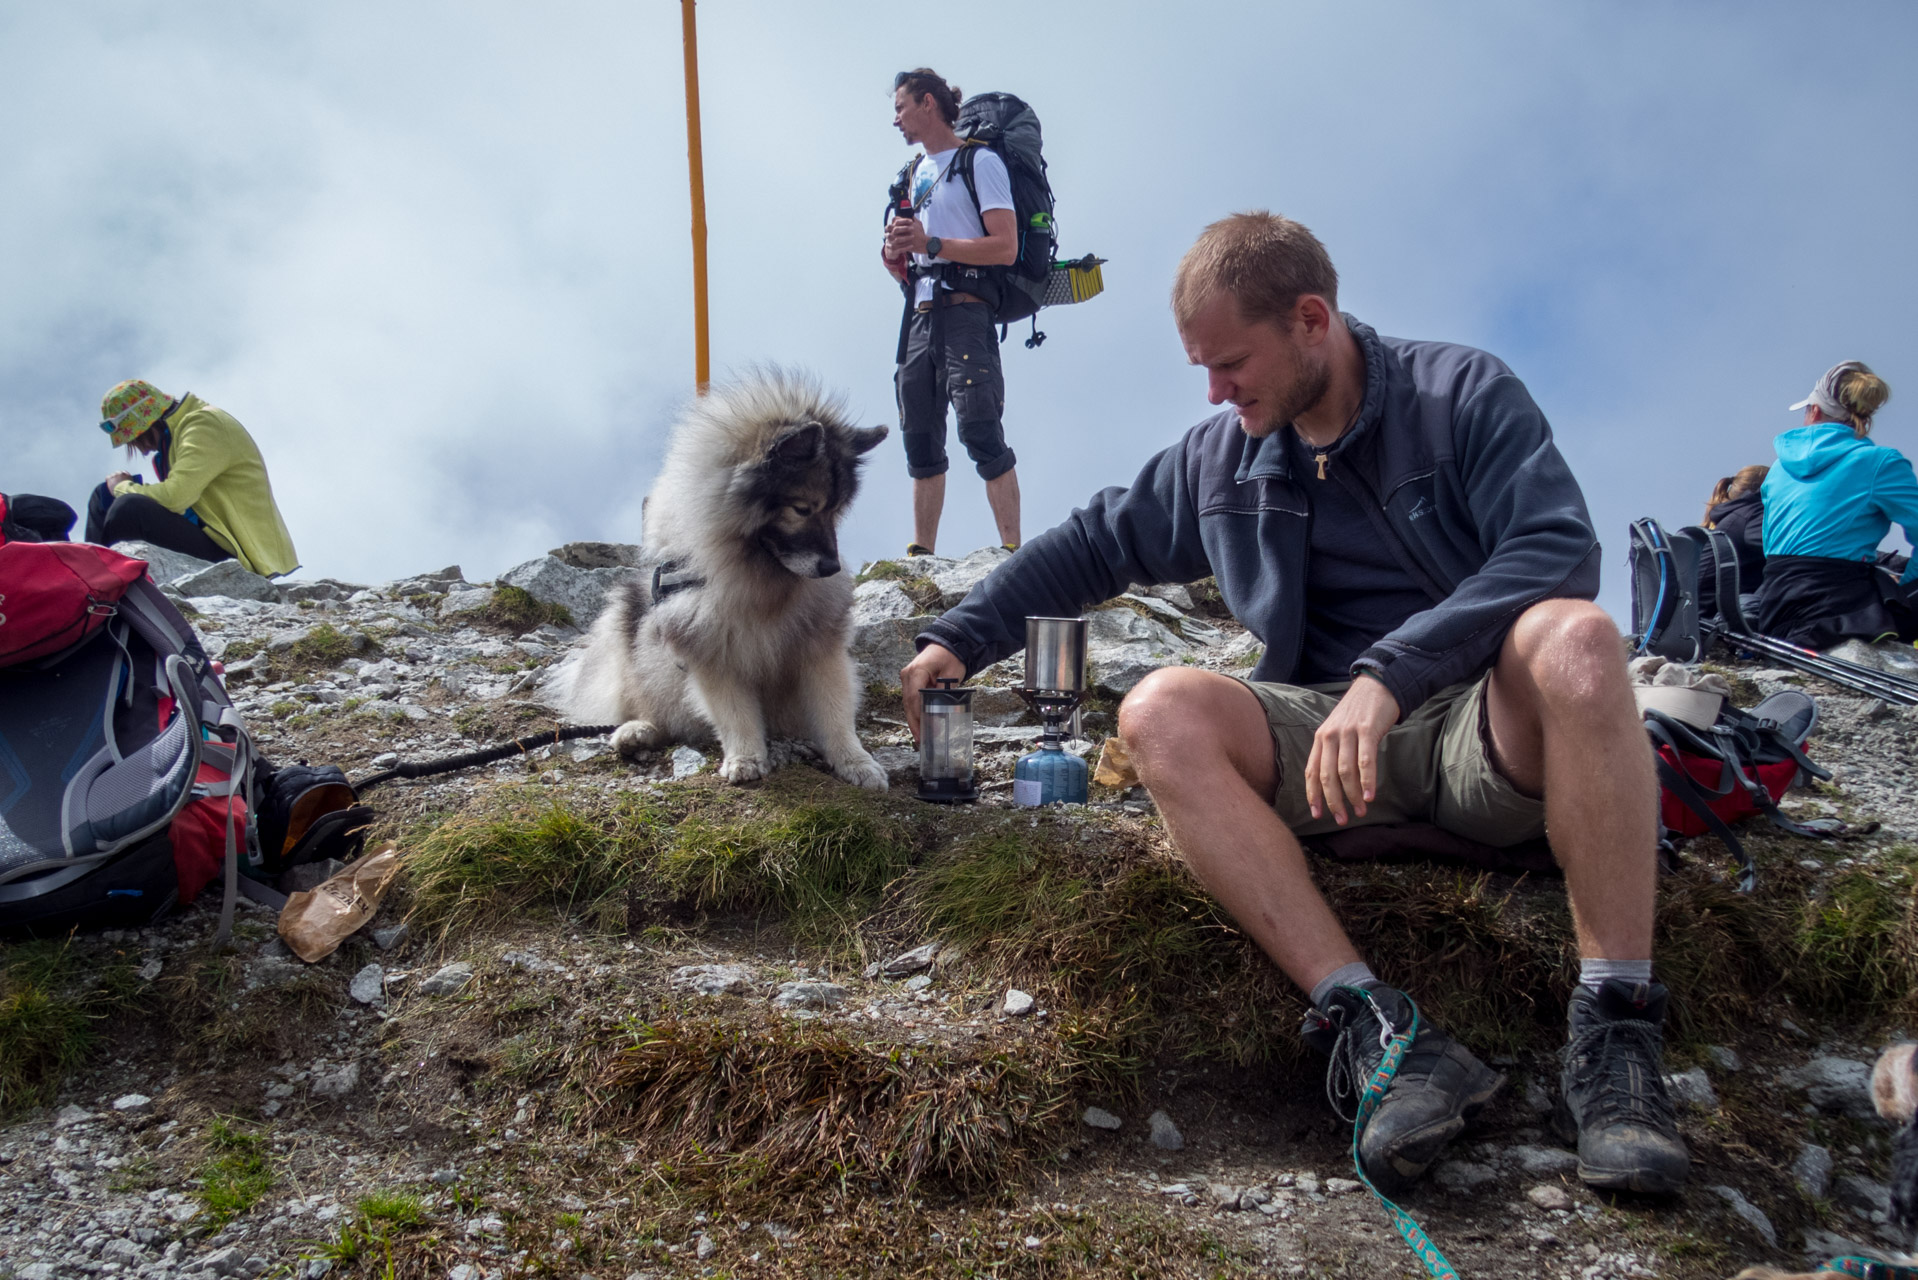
(1382, 521)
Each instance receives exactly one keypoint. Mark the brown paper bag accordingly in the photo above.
(1115, 766)
(314, 922)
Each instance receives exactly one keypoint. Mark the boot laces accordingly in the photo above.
(1616, 1069)
(1356, 1054)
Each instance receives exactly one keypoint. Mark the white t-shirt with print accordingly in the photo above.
(946, 211)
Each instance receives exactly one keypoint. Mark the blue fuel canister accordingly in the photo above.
(1049, 776)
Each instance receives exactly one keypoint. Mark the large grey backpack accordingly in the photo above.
(102, 745)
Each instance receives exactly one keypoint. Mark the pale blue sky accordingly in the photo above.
(436, 256)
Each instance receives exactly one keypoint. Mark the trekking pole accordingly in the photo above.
(1847, 675)
(1837, 669)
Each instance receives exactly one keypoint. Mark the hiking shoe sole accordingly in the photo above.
(1416, 1152)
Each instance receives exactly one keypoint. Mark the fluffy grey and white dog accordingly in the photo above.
(736, 625)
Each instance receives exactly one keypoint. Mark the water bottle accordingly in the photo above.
(1049, 776)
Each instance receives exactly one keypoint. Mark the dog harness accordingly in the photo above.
(669, 576)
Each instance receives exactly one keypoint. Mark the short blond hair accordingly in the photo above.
(1265, 262)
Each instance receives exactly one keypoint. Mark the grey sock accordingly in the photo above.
(1356, 974)
(1592, 973)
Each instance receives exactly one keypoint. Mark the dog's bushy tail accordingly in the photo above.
(589, 686)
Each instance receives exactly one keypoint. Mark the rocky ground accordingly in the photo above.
(364, 1116)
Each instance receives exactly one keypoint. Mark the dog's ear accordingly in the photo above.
(865, 439)
(797, 445)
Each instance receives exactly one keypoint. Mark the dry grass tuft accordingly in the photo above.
(780, 1107)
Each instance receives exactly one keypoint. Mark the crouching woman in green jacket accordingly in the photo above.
(212, 500)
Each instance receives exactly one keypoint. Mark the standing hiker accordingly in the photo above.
(935, 247)
(1829, 502)
(1393, 521)
(212, 500)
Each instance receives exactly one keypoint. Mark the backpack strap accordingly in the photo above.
(1682, 740)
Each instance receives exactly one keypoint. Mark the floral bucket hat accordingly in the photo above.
(130, 408)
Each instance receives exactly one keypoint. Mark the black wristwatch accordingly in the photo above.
(933, 245)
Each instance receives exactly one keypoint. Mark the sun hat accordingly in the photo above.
(130, 408)
(1825, 394)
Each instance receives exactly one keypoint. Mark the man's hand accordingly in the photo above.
(935, 662)
(904, 236)
(114, 480)
(895, 267)
(1344, 765)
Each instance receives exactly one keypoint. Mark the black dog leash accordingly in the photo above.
(486, 755)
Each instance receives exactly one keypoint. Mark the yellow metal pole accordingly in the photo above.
(702, 347)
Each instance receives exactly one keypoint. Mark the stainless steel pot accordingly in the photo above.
(1056, 654)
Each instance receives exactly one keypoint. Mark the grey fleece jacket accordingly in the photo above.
(1449, 454)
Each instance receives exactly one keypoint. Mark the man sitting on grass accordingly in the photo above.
(1392, 519)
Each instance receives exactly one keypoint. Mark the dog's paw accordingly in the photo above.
(743, 768)
(861, 771)
(636, 736)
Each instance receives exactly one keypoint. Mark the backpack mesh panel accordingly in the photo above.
(141, 788)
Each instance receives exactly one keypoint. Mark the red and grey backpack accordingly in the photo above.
(127, 777)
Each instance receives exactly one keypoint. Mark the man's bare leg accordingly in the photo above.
(1564, 726)
(1202, 748)
(1200, 743)
(1002, 495)
(1563, 722)
(928, 500)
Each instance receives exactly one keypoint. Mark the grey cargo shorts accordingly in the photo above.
(1435, 766)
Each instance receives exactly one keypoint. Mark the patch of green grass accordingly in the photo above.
(283, 708)
(819, 862)
(919, 588)
(240, 650)
(392, 1209)
(515, 609)
(234, 1175)
(51, 1007)
(324, 645)
(1856, 945)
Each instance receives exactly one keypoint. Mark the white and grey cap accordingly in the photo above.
(1825, 394)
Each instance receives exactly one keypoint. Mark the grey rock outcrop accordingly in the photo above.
(885, 621)
(1122, 648)
(551, 580)
(227, 578)
(1811, 1171)
(597, 555)
(163, 566)
(1834, 1084)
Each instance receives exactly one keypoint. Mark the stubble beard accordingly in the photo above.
(1283, 407)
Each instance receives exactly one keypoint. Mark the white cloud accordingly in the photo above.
(436, 256)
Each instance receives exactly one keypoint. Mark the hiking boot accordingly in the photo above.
(1439, 1085)
(914, 549)
(1613, 1088)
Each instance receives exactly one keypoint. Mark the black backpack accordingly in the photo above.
(1007, 127)
(1664, 579)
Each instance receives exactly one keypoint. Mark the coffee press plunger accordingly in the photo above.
(945, 743)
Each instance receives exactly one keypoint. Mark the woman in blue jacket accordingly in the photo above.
(1829, 502)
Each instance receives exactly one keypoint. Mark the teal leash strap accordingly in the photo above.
(1408, 1228)
(1871, 1268)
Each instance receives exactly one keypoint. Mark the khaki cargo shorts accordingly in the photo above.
(1435, 766)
